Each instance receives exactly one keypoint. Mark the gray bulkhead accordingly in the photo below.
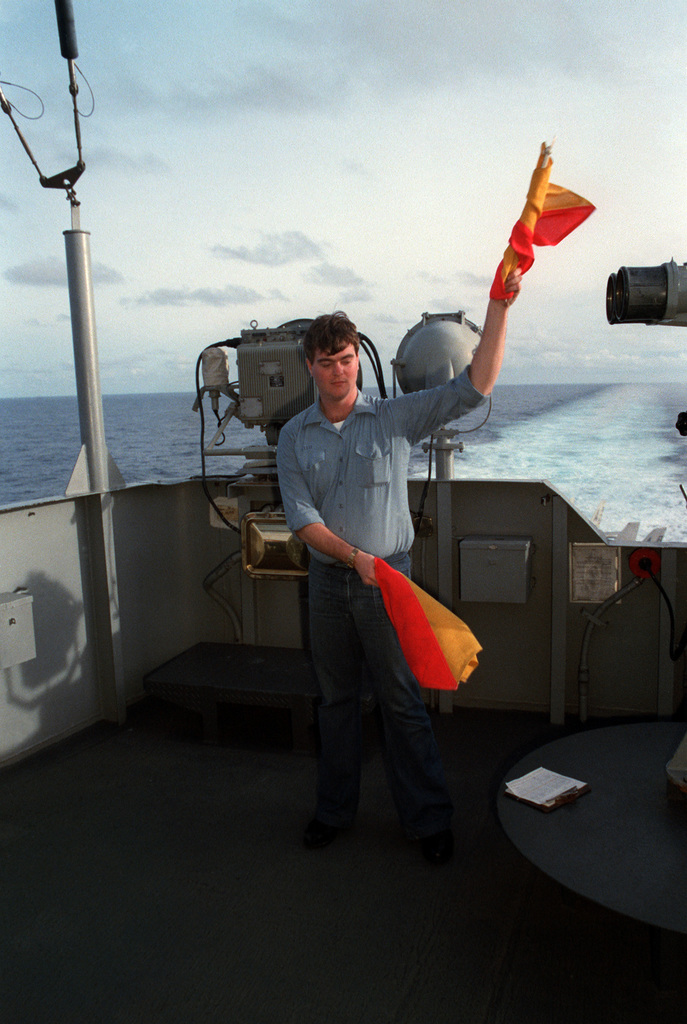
(102, 620)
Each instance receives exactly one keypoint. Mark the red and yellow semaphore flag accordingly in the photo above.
(550, 213)
(438, 646)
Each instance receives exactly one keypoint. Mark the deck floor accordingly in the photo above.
(147, 877)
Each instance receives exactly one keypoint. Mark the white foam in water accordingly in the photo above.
(615, 448)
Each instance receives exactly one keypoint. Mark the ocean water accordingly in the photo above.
(612, 450)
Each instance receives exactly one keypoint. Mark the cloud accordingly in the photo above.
(304, 57)
(464, 279)
(51, 272)
(337, 277)
(356, 295)
(232, 295)
(427, 42)
(146, 163)
(479, 281)
(355, 288)
(355, 168)
(277, 295)
(284, 89)
(105, 275)
(274, 250)
(433, 279)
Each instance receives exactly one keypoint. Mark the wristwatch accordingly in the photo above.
(350, 561)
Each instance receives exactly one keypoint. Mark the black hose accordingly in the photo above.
(373, 356)
(203, 477)
(675, 652)
(423, 497)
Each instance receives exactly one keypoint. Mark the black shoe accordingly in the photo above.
(437, 849)
(317, 834)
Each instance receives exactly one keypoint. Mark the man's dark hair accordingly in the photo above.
(330, 333)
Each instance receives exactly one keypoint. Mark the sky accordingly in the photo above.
(271, 161)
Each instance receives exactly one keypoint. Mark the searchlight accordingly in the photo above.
(648, 295)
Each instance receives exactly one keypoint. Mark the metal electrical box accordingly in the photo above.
(17, 640)
(274, 381)
(496, 568)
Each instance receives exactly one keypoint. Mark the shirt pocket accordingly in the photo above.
(316, 470)
(311, 458)
(373, 463)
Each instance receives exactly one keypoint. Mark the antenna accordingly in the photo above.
(70, 51)
(95, 470)
(65, 179)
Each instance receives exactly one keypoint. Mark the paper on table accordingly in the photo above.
(544, 787)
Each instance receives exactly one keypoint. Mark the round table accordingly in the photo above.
(624, 844)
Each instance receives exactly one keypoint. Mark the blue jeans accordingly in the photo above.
(350, 629)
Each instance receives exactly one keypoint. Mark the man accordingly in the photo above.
(343, 471)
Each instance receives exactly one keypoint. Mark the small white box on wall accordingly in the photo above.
(17, 638)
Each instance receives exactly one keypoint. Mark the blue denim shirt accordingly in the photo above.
(354, 479)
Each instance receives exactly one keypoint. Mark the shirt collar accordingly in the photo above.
(363, 404)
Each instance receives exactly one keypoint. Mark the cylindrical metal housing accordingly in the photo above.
(641, 293)
(435, 351)
(66, 29)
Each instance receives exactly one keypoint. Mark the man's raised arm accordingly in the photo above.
(488, 357)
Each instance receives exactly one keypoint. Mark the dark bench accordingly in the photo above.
(208, 675)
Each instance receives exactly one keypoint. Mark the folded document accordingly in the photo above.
(546, 789)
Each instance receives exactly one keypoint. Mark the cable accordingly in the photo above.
(425, 489)
(595, 620)
(373, 355)
(675, 652)
(209, 582)
(479, 425)
(24, 88)
(203, 478)
(423, 497)
(88, 85)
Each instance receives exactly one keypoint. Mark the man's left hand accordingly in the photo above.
(365, 567)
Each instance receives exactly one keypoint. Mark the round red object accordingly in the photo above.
(644, 562)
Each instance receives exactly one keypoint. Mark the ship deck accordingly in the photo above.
(148, 877)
